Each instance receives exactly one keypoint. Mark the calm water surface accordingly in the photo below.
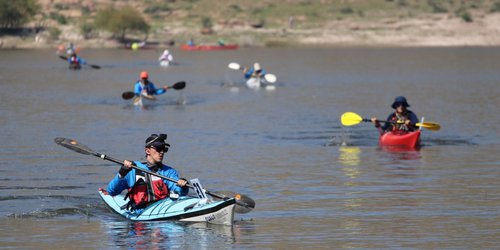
(316, 183)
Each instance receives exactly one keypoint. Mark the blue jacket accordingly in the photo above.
(409, 115)
(77, 60)
(150, 89)
(117, 185)
(250, 71)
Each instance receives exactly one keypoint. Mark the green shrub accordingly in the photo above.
(206, 22)
(155, 8)
(437, 6)
(58, 17)
(16, 13)
(121, 21)
(86, 29)
(463, 13)
(347, 10)
(495, 7)
(54, 33)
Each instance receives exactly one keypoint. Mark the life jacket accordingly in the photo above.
(74, 60)
(148, 88)
(147, 189)
(398, 126)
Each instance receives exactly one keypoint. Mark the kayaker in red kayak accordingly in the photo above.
(401, 120)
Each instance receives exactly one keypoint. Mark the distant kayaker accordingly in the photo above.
(402, 119)
(144, 188)
(75, 62)
(166, 58)
(255, 71)
(221, 42)
(191, 42)
(147, 88)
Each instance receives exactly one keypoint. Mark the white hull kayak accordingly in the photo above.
(258, 83)
(185, 208)
(144, 101)
(165, 63)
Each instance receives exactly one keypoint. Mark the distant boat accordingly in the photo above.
(209, 47)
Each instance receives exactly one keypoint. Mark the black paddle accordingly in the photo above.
(244, 203)
(91, 65)
(177, 86)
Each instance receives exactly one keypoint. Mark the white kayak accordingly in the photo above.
(184, 208)
(143, 100)
(257, 83)
(165, 63)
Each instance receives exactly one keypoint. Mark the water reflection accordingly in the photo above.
(397, 154)
(349, 156)
(167, 234)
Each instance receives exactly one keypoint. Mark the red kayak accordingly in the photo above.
(400, 139)
(209, 47)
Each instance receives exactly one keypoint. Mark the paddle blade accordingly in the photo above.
(63, 57)
(234, 66)
(350, 118)
(128, 95)
(244, 204)
(270, 78)
(73, 145)
(95, 66)
(433, 126)
(179, 85)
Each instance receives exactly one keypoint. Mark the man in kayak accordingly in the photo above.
(75, 62)
(401, 120)
(147, 88)
(144, 188)
(166, 57)
(255, 71)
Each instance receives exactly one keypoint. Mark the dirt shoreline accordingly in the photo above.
(438, 31)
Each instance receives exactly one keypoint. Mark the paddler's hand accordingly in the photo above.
(165, 88)
(407, 122)
(181, 182)
(127, 166)
(374, 121)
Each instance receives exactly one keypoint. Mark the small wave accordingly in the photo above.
(40, 188)
(51, 213)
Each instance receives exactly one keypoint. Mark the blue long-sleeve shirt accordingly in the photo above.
(250, 71)
(117, 184)
(150, 88)
(76, 60)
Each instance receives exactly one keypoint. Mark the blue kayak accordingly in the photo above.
(185, 208)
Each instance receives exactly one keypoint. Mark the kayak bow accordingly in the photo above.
(400, 139)
(185, 208)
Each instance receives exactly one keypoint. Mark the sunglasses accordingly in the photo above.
(159, 149)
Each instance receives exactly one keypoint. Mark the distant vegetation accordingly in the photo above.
(191, 18)
(121, 21)
(16, 13)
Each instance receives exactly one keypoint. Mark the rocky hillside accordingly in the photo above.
(271, 23)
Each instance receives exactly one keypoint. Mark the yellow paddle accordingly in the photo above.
(351, 118)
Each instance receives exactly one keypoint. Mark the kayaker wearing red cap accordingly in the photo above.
(147, 88)
(144, 188)
(401, 120)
